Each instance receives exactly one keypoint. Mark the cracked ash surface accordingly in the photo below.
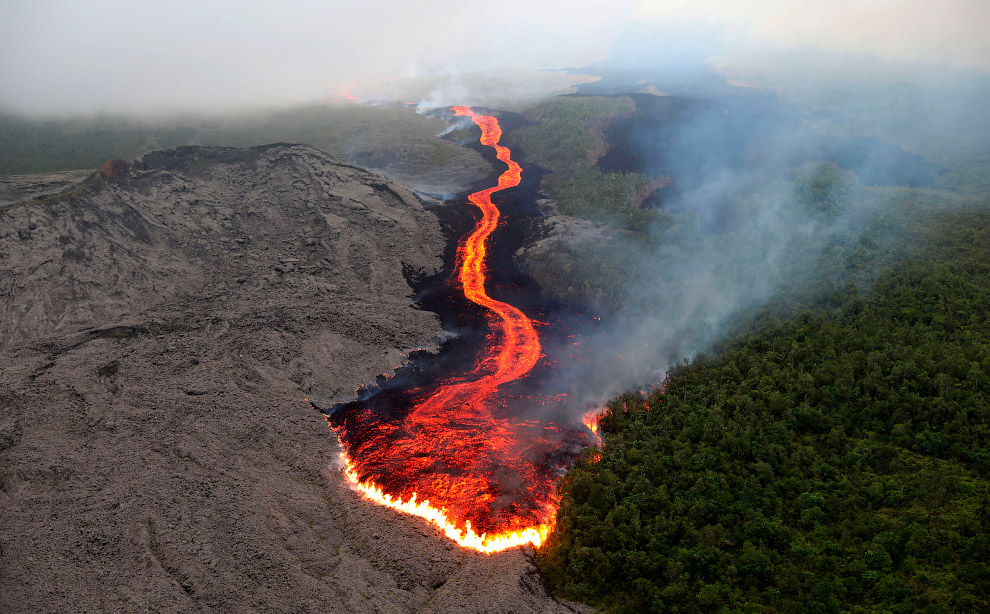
(160, 326)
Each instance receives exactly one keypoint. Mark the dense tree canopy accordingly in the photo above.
(837, 459)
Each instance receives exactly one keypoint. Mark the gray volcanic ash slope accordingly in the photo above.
(280, 228)
(160, 326)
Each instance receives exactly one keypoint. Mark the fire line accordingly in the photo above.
(450, 457)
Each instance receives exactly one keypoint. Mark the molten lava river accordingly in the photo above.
(457, 450)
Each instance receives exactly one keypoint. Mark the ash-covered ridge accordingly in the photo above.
(160, 326)
(286, 219)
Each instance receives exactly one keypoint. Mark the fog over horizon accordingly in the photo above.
(911, 75)
(64, 57)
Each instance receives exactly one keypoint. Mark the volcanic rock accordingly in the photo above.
(20, 188)
(156, 449)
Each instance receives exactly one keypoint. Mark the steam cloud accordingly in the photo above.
(754, 234)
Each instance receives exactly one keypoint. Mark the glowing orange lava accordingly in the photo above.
(516, 350)
(466, 537)
(456, 454)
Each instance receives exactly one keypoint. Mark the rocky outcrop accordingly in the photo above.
(113, 171)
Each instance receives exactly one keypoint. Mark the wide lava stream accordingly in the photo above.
(465, 450)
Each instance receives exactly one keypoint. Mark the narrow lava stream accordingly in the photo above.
(456, 455)
(516, 349)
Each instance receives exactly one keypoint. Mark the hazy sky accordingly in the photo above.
(125, 55)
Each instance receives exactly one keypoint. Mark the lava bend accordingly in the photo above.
(456, 455)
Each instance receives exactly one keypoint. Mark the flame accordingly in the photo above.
(438, 517)
(591, 419)
(457, 444)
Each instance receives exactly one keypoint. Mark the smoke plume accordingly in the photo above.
(776, 192)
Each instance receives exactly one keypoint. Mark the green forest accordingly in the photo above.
(566, 136)
(829, 453)
(832, 455)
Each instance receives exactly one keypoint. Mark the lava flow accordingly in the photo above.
(454, 451)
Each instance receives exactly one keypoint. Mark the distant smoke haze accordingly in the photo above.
(111, 55)
(741, 160)
(900, 64)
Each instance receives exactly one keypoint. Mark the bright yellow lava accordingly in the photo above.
(467, 538)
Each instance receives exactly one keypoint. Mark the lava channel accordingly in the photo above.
(455, 451)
